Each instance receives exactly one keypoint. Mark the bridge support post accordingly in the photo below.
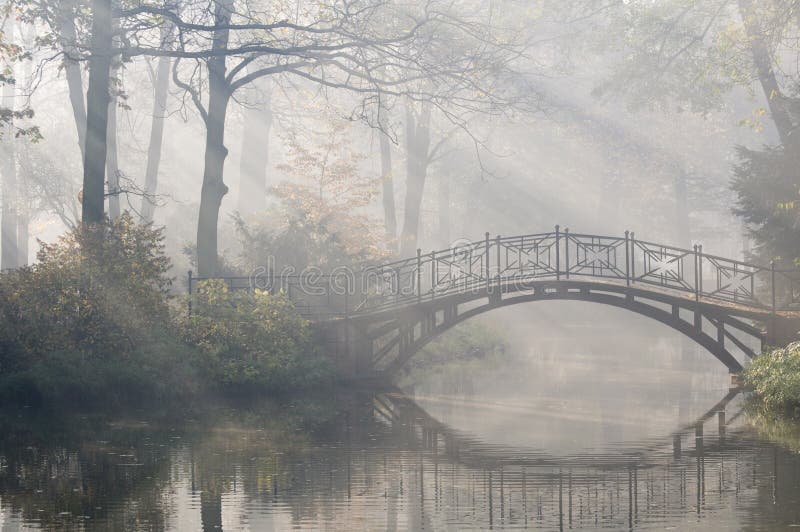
(347, 347)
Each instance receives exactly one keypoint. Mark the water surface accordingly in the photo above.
(557, 443)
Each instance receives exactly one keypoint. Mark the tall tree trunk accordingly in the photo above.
(97, 113)
(112, 164)
(160, 89)
(112, 158)
(444, 210)
(214, 188)
(23, 212)
(762, 59)
(418, 141)
(72, 71)
(23, 237)
(387, 186)
(8, 166)
(255, 156)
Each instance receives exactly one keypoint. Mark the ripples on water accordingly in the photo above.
(540, 450)
(385, 463)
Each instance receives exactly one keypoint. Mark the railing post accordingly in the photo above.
(558, 254)
(419, 275)
(499, 268)
(627, 259)
(189, 304)
(271, 281)
(696, 275)
(772, 268)
(633, 258)
(433, 274)
(488, 270)
(566, 251)
(700, 268)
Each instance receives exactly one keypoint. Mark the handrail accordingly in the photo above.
(492, 263)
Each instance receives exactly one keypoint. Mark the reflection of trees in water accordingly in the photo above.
(380, 461)
(106, 481)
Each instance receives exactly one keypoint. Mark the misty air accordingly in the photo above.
(399, 265)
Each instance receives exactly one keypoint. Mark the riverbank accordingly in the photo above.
(774, 379)
(95, 322)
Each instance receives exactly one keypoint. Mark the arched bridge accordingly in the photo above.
(376, 318)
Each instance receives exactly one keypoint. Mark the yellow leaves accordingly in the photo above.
(753, 121)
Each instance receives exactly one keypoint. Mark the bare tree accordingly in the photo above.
(371, 48)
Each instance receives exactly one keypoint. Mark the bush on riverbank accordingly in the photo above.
(252, 341)
(452, 358)
(93, 321)
(774, 378)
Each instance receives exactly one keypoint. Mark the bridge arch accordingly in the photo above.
(394, 342)
(382, 314)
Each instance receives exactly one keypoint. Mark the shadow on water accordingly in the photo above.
(378, 460)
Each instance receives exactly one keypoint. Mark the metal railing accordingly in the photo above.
(495, 263)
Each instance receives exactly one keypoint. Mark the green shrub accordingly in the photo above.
(92, 323)
(100, 296)
(775, 380)
(252, 341)
(101, 290)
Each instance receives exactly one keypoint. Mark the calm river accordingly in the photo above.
(592, 436)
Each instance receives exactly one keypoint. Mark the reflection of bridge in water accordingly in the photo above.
(379, 461)
(631, 485)
(396, 407)
(376, 319)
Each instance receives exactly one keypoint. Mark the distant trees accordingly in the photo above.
(688, 53)
(438, 56)
(371, 49)
(8, 167)
(161, 83)
(14, 124)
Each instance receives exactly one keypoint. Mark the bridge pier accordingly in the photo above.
(348, 347)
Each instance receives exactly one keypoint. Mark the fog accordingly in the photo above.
(592, 162)
(553, 230)
(566, 127)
